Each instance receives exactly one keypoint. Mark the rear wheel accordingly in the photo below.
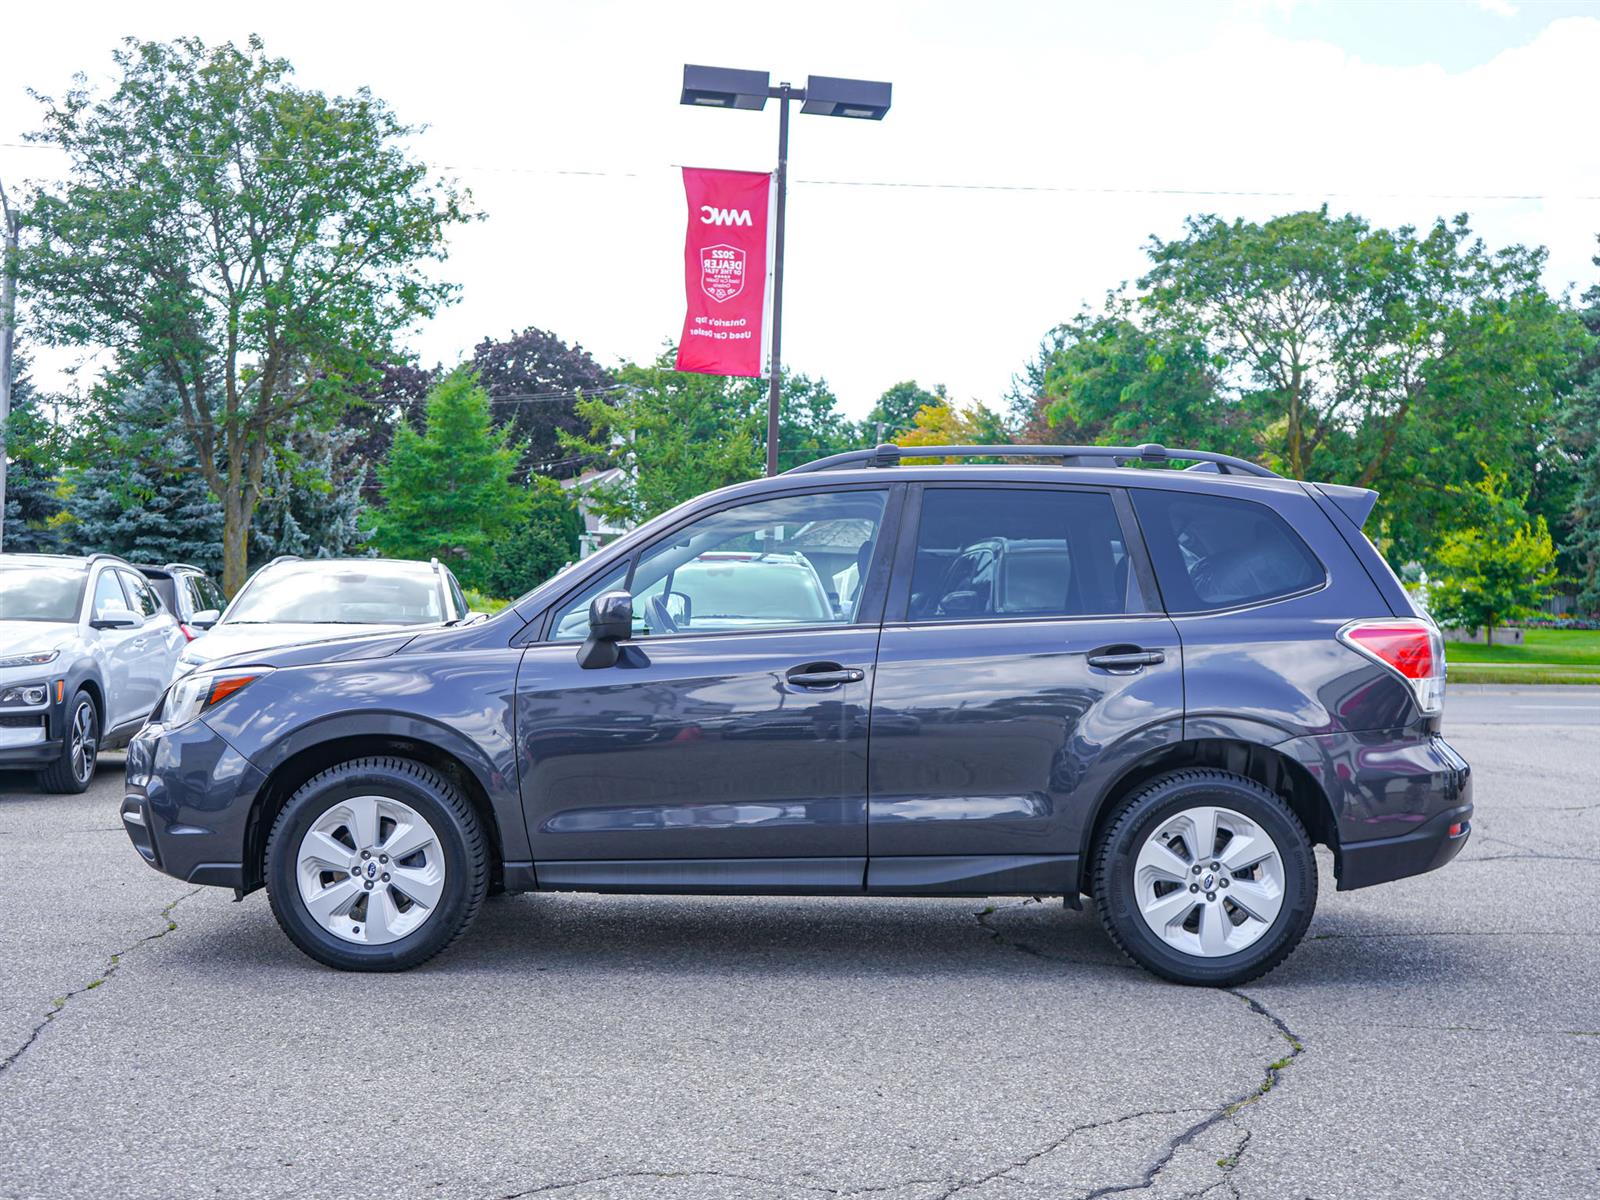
(376, 865)
(74, 770)
(1206, 877)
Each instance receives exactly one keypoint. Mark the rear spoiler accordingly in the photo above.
(1354, 502)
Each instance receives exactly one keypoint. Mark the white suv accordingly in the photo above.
(86, 649)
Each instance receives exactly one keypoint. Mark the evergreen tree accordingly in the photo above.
(142, 495)
(448, 492)
(1582, 435)
(525, 557)
(311, 497)
(35, 447)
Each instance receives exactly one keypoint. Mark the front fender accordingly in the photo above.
(462, 705)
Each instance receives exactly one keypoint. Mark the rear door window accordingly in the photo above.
(996, 553)
(1214, 552)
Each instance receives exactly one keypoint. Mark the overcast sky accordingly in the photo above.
(1109, 122)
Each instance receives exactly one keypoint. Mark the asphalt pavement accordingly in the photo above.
(1436, 1037)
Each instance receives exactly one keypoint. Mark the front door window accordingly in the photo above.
(789, 562)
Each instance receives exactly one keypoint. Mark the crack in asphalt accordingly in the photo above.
(1229, 1109)
(1273, 1073)
(1034, 1156)
(1022, 947)
(59, 1004)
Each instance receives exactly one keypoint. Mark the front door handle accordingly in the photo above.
(1126, 661)
(821, 675)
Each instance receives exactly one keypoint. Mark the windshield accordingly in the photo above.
(356, 596)
(34, 593)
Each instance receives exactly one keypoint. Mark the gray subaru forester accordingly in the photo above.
(1051, 674)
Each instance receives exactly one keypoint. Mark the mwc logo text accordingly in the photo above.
(724, 216)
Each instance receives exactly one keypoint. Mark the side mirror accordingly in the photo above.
(610, 622)
(115, 616)
(205, 618)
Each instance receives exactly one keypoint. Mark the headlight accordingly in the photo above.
(194, 694)
(30, 695)
(30, 660)
(190, 657)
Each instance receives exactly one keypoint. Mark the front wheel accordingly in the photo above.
(1206, 878)
(80, 743)
(376, 865)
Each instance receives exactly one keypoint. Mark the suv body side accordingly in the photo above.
(1265, 686)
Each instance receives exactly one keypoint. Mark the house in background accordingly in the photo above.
(596, 530)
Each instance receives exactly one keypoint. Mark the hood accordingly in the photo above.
(322, 642)
(26, 637)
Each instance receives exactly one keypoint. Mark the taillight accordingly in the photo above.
(1408, 646)
(187, 632)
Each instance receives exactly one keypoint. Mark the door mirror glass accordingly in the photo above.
(610, 622)
(205, 618)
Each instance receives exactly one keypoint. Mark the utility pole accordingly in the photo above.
(823, 95)
(8, 326)
(784, 93)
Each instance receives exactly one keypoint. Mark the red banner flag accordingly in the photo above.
(725, 271)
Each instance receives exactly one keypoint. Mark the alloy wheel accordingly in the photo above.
(1209, 881)
(85, 741)
(371, 870)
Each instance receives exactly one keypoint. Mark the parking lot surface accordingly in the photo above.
(1435, 1037)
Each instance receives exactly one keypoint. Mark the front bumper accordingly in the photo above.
(31, 736)
(191, 823)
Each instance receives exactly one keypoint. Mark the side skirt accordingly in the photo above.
(909, 875)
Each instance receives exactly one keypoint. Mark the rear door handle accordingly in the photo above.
(821, 675)
(1127, 660)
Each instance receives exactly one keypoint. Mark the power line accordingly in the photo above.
(966, 186)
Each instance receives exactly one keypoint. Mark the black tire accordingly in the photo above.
(440, 802)
(1157, 802)
(63, 776)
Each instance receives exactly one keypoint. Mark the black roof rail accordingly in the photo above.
(889, 455)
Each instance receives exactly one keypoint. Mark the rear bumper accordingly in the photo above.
(1394, 796)
(1362, 864)
(189, 824)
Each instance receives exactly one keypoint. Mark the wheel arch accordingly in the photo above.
(1264, 764)
(309, 760)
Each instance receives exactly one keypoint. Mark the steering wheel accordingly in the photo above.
(658, 616)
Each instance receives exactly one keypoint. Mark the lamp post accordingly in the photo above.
(823, 95)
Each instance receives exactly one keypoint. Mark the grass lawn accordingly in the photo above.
(1547, 656)
(1562, 647)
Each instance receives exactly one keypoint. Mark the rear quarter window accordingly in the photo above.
(1214, 552)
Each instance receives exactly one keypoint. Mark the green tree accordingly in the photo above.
(1330, 349)
(1581, 438)
(525, 557)
(257, 242)
(674, 434)
(810, 424)
(897, 408)
(36, 449)
(141, 494)
(311, 497)
(1496, 571)
(448, 492)
(1114, 382)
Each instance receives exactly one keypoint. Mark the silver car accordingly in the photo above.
(292, 601)
(86, 649)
